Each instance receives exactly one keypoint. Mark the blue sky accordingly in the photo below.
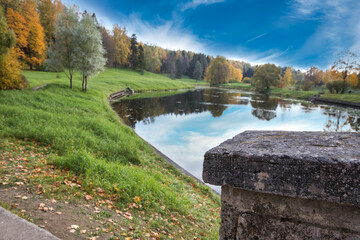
(297, 33)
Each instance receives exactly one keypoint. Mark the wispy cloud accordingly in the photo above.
(252, 39)
(195, 3)
(168, 34)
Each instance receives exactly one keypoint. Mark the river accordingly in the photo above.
(185, 125)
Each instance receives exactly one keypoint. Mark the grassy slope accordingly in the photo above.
(91, 141)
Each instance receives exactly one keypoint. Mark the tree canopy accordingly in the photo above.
(265, 76)
(218, 72)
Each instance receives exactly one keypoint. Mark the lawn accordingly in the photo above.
(86, 136)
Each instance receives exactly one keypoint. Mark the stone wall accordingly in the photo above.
(287, 185)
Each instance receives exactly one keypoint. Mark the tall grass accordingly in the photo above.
(91, 141)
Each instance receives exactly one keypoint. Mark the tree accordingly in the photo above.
(345, 65)
(90, 52)
(35, 50)
(62, 55)
(197, 71)
(312, 77)
(18, 24)
(141, 61)
(287, 79)
(48, 10)
(218, 72)
(10, 75)
(134, 52)
(122, 46)
(265, 76)
(13, 4)
(109, 46)
(7, 36)
(151, 58)
(235, 73)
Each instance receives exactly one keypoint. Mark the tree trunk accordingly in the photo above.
(344, 82)
(70, 81)
(85, 83)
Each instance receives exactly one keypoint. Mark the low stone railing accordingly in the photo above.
(287, 185)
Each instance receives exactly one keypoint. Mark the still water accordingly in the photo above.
(184, 126)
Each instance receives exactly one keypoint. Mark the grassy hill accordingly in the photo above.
(86, 140)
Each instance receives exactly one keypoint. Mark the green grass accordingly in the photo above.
(283, 92)
(238, 85)
(353, 97)
(90, 140)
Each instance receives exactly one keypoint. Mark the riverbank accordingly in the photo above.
(87, 142)
(350, 100)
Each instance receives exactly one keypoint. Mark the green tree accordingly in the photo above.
(265, 76)
(62, 55)
(90, 52)
(197, 71)
(134, 52)
(218, 72)
(152, 60)
(141, 61)
(7, 36)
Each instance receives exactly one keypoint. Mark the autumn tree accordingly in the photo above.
(62, 55)
(287, 79)
(235, 73)
(35, 49)
(13, 4)
(265, 76)
(90, 59)
(122, 46)
(347, 64)
(10, 75)
(109, 46)
(218, 72)
(312, 77)
(18, 23)
(48, 10)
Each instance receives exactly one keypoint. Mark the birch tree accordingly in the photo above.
(90, 52)
(62, 55)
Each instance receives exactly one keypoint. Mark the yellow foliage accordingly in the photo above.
(287, 79)
(10, 74)
(235, 73)
(122, 46)
(35, 53)
(18, 24)
(352, 79)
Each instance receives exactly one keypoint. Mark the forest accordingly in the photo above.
(46, 35)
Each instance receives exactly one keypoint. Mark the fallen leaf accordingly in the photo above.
(88, 197)
(83, 231)
(58, 213)
(24, 198)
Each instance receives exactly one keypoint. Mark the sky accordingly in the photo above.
(297, 33)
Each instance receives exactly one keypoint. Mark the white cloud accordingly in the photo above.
(168, 34)
(195, 3)
(254, 38)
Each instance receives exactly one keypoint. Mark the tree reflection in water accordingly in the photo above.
(217, 102)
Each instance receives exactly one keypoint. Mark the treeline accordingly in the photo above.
(344, 74)
(46, 35)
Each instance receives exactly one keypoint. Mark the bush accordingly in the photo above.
(336, 86)
(247, 80)
(10, 75)
(308, 85)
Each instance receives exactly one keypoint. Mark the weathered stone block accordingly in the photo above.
(288, 185)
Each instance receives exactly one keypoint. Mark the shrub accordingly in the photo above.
(336, 86)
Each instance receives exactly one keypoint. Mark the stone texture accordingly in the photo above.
(287, 185)
(312, 165)
(252, 215)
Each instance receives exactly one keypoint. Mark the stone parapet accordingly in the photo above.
(287, 185)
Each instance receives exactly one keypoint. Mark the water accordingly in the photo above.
(186, 125)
